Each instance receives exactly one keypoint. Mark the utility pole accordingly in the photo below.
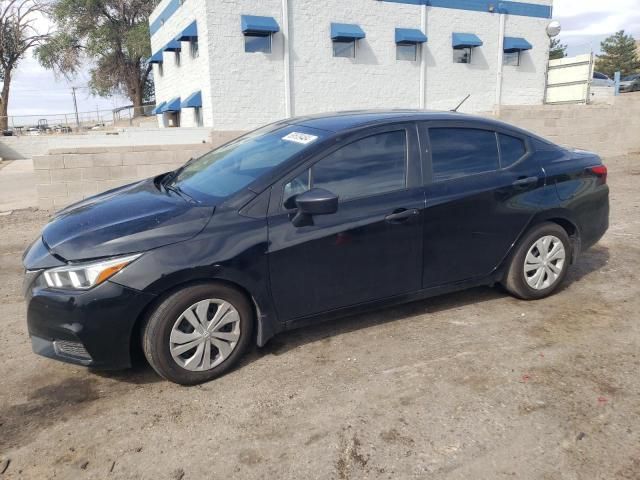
(75, 106)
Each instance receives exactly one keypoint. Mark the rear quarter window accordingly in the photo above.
(512, 149)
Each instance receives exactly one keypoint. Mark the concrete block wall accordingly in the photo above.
(606, 129)
(66, 176)
(26, 146)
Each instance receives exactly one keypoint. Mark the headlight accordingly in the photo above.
(83, 276)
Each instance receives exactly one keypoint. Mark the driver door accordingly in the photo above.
(371, 248)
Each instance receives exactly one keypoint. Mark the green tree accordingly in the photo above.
(557, 49)
(17, 36)
(110, 35)
(619, 54)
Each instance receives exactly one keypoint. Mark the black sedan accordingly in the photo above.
(304, 220)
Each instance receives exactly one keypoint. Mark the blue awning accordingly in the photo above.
(173, 46)
(407, 36)
(172, 105)
(193, 101)
(516, 44)
(264, 26)
(344, 32)
(158, 109)
(156, 57)
(188, 34)
(465, 40)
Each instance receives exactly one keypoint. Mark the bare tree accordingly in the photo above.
(17, 35)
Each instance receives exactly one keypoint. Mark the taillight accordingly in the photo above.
(600, 171)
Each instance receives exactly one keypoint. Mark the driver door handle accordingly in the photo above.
(523, 182)
(402, 215)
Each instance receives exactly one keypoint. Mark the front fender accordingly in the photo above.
(231, 249)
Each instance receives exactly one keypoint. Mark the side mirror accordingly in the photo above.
(316, 201)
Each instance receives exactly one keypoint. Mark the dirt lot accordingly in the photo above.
(470, 385)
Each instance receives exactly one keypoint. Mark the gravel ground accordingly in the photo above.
(469, 385)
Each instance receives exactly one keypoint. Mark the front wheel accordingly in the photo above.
(198, 333)
(540, 262)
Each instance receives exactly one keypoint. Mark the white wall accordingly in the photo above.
(447, 82)
(524, 85)
(243, 91)
(193, 73)
(247, 88)
(374, 79)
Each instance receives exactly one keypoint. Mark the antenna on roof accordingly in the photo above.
(460, 104)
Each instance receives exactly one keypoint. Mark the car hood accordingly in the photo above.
(133, 218)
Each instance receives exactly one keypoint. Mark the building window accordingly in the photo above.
(173, 119)
(176, 59)
(194, 49)
(511, 58)
(197, 116)
(257, 43)
(344, 48)
(462, 55)
(407, 52)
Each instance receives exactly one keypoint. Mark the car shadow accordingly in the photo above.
(290, 340)
(590, 261)
(141, 372)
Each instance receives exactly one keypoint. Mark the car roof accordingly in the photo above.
(343, 121)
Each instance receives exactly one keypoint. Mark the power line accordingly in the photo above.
(18, 90)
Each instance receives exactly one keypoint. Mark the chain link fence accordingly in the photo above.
(69, 123)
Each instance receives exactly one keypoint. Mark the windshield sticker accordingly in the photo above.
(297, 137)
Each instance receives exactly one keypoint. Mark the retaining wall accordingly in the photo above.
(68, 175)
(28, 146)
(607, 129)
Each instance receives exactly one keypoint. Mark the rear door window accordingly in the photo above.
(459, 151)
(512, 149)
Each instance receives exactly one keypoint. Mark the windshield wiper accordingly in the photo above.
(178, 191)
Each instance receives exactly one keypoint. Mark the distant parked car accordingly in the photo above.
(61, 129)
(601, 80)
(33, 131)
(630, 83)
(7, 133)
(304, 220)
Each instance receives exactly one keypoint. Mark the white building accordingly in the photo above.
(238, 64)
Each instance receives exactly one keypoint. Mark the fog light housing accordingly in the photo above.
(72, 350)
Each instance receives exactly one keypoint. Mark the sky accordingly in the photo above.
(36, 91)
(585, 23)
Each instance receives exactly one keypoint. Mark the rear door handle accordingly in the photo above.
(401, 215)
(523, 182)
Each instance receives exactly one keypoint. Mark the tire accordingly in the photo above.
(519, 283)
(170, 328)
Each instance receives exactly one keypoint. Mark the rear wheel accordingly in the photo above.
(198, 333)
(540, 262)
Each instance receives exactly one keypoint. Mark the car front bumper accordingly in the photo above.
(93, 328)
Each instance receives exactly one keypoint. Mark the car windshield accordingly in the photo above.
(630, 78)
(228, 169)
